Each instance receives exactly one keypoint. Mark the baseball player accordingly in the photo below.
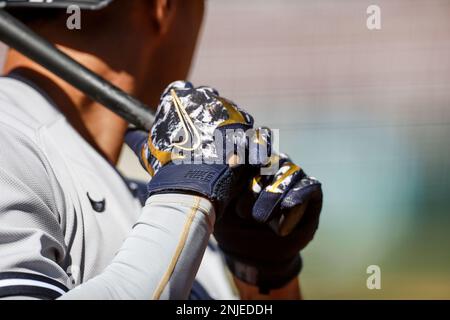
(71, 227)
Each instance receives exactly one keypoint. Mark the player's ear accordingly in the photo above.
(163, 14)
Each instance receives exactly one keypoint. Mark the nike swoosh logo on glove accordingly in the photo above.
(189, 127)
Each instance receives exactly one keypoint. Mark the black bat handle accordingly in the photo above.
(18, 36)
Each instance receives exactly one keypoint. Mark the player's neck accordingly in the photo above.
(100, 127)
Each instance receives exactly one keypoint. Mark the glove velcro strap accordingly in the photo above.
(265, 277)
(210, 180)
(265, 205)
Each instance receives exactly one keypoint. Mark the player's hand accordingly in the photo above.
(262, 232)
(188, 149)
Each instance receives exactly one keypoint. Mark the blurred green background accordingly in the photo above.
(366, 112)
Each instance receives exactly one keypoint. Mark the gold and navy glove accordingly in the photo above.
(282, 198)
(192, 146)
(263, 232)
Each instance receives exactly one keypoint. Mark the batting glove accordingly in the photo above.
(190, 148)
(263, 232)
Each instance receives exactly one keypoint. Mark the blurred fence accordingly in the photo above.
(366, 112)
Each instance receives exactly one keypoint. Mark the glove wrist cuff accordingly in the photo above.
(265, 277)
(212, 181)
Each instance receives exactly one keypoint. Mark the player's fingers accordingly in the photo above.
(269, 199)
(303, 190)
(276, 165)
(283, 202)
(305, 197)
(266, 205)
(208, 89)
(177, 85)
(260, 146)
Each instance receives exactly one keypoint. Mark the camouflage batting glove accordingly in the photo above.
(263, 232)
(192, 146)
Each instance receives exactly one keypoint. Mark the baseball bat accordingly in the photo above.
(18, 36)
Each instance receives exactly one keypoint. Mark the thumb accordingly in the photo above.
(270, 197)
(136, 139)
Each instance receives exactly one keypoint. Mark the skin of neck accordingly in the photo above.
(100, 127)
(141, 52)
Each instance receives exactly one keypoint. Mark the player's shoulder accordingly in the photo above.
(23, 163)
(24, 111)
(18, 128)
(24, 107)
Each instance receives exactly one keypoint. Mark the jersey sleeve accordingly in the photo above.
(33, 254)
(160, 257)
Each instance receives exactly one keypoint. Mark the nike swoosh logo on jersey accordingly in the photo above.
(98, 206)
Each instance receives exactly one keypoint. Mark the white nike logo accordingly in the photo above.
(188, 126)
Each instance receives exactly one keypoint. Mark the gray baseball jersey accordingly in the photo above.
(67, 216)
